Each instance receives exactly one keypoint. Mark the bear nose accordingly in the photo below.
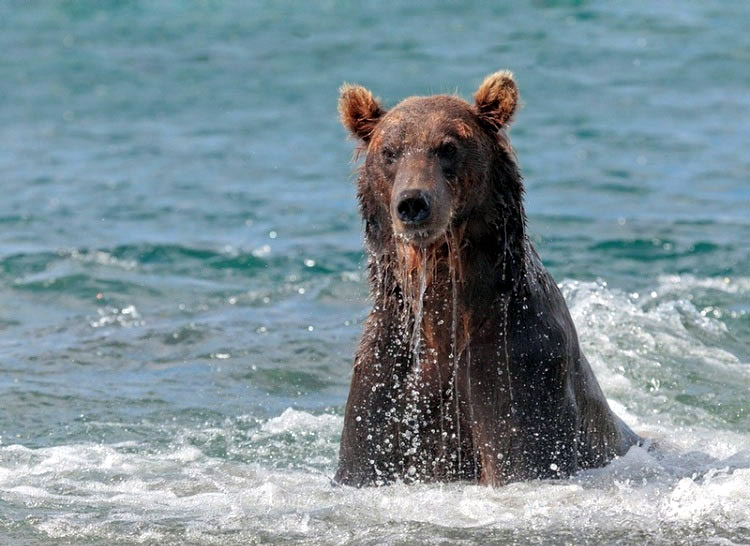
(413, 206)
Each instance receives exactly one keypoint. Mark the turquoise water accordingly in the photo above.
(181, 282)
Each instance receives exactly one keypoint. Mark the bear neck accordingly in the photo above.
(450, 289)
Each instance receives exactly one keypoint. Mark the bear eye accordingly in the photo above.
(447, 151)
(389, 155)
(447, 154)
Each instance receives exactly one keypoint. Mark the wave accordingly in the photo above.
(660, 353)
(152, 268)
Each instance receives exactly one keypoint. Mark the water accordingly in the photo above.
(181, 283)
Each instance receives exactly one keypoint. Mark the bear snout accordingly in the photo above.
(413, 207)
(420, 200)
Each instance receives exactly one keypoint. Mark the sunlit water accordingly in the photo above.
(181, 283)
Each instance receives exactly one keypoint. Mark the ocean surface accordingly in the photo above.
(181, 265)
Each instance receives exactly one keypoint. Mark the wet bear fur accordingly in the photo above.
(469, 367)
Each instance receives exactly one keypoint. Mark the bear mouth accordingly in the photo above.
(421, 237)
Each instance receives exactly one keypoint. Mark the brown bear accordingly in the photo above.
(469, 367)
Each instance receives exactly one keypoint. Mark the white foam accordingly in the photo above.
(721, 497)
(682, 283)
(292, 420)
(137, 495)
(610, 321)
(126, 317)
(98, 257)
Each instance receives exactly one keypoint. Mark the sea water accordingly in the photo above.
(181, 265)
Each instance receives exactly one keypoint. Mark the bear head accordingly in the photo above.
(437, 165)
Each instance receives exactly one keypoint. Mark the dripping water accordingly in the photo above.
(411, 418)
(453, 259)
(469, 395)
(506, 302)
(416, 336)
(379, 279)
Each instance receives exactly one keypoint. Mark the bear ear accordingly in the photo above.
(360, 111)
(497, 98)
